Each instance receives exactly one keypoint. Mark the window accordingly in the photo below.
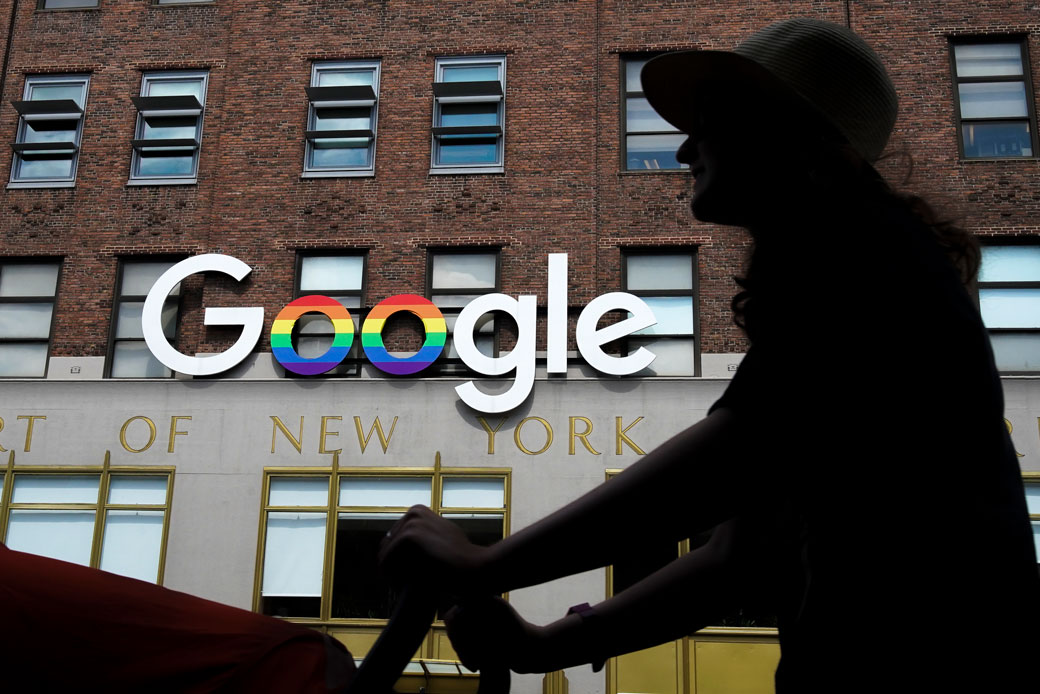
(748, 649)
(169, 128)
(112, 519)
(339, 277)
(468, 115)
(1009, 298)
(648, 141)
(1032, 485)
(129, 356)
(341, 120)
(27, 293)
(666, 282)
(995, 104)
(318, 556)
(456, 278)
(66, 4)
(50, 127)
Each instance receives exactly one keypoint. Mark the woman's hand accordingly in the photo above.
(488, 634)
(427, 548)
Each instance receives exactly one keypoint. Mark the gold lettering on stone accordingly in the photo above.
(2, 449)
(151, 434)
(487, 427)
(582, 436)
(297, 442)
(29, 429)
(174, 431)
(326, 433)
(621, 436)
(548, 435)
(384, 439)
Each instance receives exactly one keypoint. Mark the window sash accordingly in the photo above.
(468, 126)
(666, 281)
(167, 142)
(28, 295)
(455, 277)
(56, 137)
(364, 499)
(64, 514)
(994, 105)
(352, 126)
(129, 356)
(648, 141)
(1009, 301)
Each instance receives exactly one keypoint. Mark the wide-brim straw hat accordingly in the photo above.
(825, 67)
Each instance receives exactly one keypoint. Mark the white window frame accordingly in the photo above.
(1032, 284)
(667, 129)
(315, 326)
(648, 337)
(121, 298)
(51, 299)
(472, 92)
(342, 97)
(177, 106)
(48, 110)
(488, 325)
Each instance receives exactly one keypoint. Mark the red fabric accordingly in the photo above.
(71, 628)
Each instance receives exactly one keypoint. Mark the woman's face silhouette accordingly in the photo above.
(739, 153)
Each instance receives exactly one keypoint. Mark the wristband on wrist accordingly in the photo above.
(589, 619)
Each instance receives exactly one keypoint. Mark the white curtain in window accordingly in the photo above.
(137, 490)
(65, 535)
(401, 492)
(299, 491)
(132, 542)
(294, 554)
(55, 489)
(1033, 497)
(461, 492)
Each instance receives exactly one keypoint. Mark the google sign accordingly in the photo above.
(520, 360)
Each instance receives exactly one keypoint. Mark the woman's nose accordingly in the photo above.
(684, 155)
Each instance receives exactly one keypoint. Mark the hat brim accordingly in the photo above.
(675, 83)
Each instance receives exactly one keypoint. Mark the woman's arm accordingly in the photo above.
(687, 594)
(694, 481)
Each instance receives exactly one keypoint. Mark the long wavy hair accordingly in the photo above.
(841, 176)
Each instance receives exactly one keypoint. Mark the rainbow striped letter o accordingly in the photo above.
(372, 334)
(281, 334)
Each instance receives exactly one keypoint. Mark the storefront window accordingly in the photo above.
(319, 551)
(56, 514)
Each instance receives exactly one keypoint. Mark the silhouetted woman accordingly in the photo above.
(857, 469)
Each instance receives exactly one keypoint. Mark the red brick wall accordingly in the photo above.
(561, 191)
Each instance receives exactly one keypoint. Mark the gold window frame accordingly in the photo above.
(673, 664)
(101, 507)
(1032, 478)
(332, 509)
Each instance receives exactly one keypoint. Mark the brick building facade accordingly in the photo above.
(554, 178)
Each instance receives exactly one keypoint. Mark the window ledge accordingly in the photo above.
(90, 8)
(40, 184)
(162, 182)
(167, 5)
(342, 173)
(441, 170)
(644, 172)
(973, 160)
